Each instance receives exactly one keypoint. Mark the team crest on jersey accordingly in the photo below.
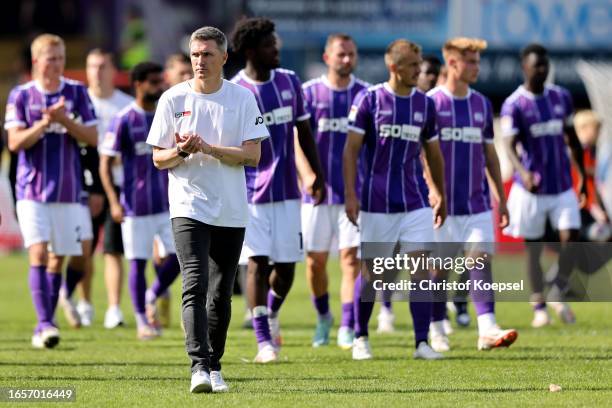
(478, 117)
(559, 109)
(182, 114)
(418, 116)
(287, 95)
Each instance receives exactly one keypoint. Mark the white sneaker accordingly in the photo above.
(361, 349)
(70, 312)
(424, 352)
(86, 312)
(46, 338)
(440, 343)
(274, 324)
(200, 382)
(346, 336)
(37, 341)
(496, 337)
(386, 318)
(541, 318)
(448, 329)
(564, 312)
(113, 317)
(267, 354)
(216, 380)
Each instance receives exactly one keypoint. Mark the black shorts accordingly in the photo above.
(113, 243)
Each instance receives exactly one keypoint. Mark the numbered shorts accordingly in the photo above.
(528, 212)
(413, 230)
(58, 224)
(322, 225)
(274, 230)
(470, 232)
(139, 232)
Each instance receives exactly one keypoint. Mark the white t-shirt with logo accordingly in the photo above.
(106, 109)
(201, 187)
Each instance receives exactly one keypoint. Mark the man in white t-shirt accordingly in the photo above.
(205, 131)
(107, 102)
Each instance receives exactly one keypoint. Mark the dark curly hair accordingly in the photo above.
(248, 32)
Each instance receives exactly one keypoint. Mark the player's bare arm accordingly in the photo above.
(106, 178)
(354, 141)
(246, 155)
(82, 133)
(495, 182)
(527, 177)
(171, 157)
(308, 146)
(20, 138)
(435, 162)
(306, 175)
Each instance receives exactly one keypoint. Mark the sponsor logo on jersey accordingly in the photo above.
(333, 125)
(259, 120)
(182, 114)
(278, 116)
(464, 134)
(409, 133)
(553, 127)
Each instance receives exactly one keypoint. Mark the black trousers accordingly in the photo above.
(208, 256)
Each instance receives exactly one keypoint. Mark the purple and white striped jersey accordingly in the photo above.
(281, 102)
(394, 128)
(145, 188)
(537, 121)
(465, 124)
(329, 108)
(50, 170)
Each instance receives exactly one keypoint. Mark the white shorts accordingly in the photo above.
(274, 231)
(413, 230)
(54, 223)
(468, 229)
(140, 231)
(86, 228)
(528, 212)
(323, 224)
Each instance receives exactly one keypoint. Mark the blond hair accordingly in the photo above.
(586, 118)
(45, 40)
(463, 45)
(395, 50)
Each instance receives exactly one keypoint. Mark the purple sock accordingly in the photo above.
(320, 303)
(540, 306)
(72, 279)
(39, 289)
(420, 309)
(262, 329)
(274, 302)
(438, 308)
(138, 284)
(348, 315)
(363, 310)
(166, 274)
(54, 280)
(484, 300)
(386, 298)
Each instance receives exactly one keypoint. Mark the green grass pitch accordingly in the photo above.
(114, 369)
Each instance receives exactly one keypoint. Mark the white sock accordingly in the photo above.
(437, 328)
(485, 322)
(259, 311)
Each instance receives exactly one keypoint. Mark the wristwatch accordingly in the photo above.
(181, 153)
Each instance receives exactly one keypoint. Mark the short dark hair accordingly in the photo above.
(248, 33)
(103, 52)
(337, 36)
(141, 71)
(432, 60)
(533, 48)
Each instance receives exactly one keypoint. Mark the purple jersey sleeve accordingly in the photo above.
(111, 146)
(85, 108)
(301, 113)
(430, 128)
(510, 119)
(15, 110)
(360, 115)
(309, 103)
(487, 131)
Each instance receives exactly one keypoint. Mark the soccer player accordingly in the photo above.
(430, 71)
(392, 122)
(273, 238)
(465, 120)
(143, 206)
(206, 131)
(107, 101)
(538, 118)
(328, 100)
(177, 69)
(46, 119)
